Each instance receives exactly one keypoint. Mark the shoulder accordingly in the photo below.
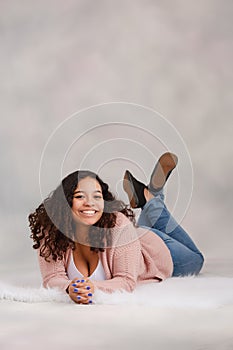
(124, 223)
(122, 220)
(124, 232)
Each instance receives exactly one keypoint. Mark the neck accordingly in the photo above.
(81, 233)
(82, 248)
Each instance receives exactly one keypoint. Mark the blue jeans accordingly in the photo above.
(187, 259)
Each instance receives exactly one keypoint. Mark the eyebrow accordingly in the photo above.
(80, 191)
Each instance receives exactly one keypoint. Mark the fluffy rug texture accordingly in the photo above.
(191, 292)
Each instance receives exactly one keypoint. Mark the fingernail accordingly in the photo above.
(82, 281)
(74, 284)
(78, 297)
(78, 281)
(90, 301)
(88, 287)
(89, 294)
(75, 290)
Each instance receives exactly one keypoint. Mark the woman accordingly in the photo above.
(88, 240)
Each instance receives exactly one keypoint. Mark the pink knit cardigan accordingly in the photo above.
(136, 256)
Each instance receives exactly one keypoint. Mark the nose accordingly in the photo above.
(89, 201)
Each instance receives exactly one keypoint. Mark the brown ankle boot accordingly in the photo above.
(163, 168)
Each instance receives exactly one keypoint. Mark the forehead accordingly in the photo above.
(88, 184)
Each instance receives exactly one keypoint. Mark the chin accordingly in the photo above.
(89, 222)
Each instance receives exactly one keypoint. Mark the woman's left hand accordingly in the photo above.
(81, 291)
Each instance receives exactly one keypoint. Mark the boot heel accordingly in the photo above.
(163, 168)
(134, 190)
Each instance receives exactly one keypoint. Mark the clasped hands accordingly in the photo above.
(81, 290)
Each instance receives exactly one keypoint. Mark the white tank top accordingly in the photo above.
(73, 272)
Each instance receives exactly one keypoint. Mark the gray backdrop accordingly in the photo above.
(58, 57)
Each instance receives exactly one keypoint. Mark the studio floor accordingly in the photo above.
(204, 320)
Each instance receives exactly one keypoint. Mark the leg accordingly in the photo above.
(187, 258)
(185, 261)
(156, 215)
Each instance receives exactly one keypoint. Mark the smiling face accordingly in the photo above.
(88, 202)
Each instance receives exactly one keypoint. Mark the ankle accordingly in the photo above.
(148, 195)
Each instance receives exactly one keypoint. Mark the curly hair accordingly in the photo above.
(52, 226)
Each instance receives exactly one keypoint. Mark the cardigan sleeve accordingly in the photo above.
(53, 273)
(124, 270)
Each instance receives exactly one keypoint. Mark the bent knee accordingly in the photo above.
(200, 262)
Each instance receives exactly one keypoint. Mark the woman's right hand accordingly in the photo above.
(81, 291)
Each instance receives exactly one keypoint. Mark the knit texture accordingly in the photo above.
(137, 256)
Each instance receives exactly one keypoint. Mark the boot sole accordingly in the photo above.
(129, 189)
(166, 163)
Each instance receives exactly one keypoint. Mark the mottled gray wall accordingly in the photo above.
(58, 57)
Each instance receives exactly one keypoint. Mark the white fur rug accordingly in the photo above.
(188, 292)
(194, 313)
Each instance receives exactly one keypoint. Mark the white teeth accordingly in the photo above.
(88, 212)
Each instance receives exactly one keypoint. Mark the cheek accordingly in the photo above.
(101, 210)
(76, 205)
(102, 206)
